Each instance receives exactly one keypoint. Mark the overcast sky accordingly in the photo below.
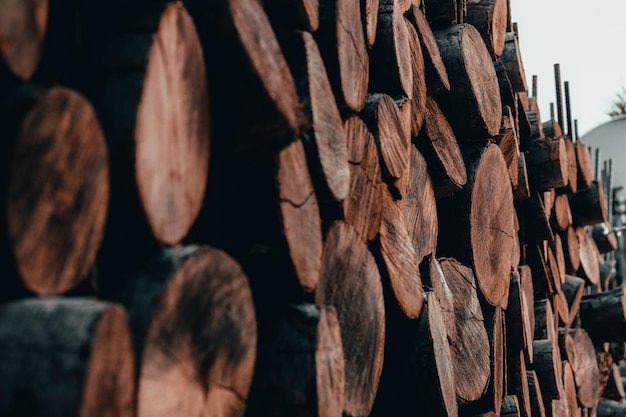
(588, 39)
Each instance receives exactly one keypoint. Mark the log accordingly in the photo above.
(558, 408)
(350, 275)
(65, 357)
(435, 71)
(573, 289)
(571, 250)
(522, 191)
(588, 205)
(507, 96)
(603, 315)
(324, 139)
(406, 109)
(23, 27)
(391, 70)
(342, 42)
(369, 17)
(239, 32)
(572, 164)
(552, 129)
(489, 17)
(194, 331)
(517, 381)
(470, 349)
(585, 170)
(589, 267)
(510, 407)
(508, 143)
(472, 105)
(382, 117)
(519, 328)
(544, 320)
(604, 361)
(159, 139)
(300, 363)
(399, 259)
(547, 164)
(536, 219)
(434, 280)
(438, 144)
(363, 206)
(536, 397)
(528, 298)
(484, 235)
(556, 247)
(610, 408)
(293, 14)
(608, 274)
(512, 60)
(569, 388)
(420, 208)
(562, 215)
(418, 95)
(605, 237)
(547, 365)
(614, 389)
(54, 198)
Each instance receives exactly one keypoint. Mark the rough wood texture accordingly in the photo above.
(536, 219)
(547, 164)
(383, 119)
(573, 289)
(512, 60)
(300, 363)
(23, 27)
(470, 347)
(556, 246)
(324, 138)
(572, 167)
(418, 94)
(342, 42)
(510, 407)
(349, 278)
(509, 144)
(472, 105)
(544, 320)
(436, 74)
(517, 381)
(363, 207)
(569, 388)
(194, 332)
(552, 129)
(562, 215)
(588, 205)
(369, 16)
(239, 32)
(547, 365)
(519, 329)
(483, 235)
(605, 237)
(507, 96)
(614, 389)
(400, 259)
(420, 208)
(391, 71)
(489, 17)
(585, 170)
(603, 315)
(159, 139)
(65, 357)
(571, 250)
(522, 191)
(54, 185)
(438, 144)
(536, 127)
(589, 266)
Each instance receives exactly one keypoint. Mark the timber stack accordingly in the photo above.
(306, 207)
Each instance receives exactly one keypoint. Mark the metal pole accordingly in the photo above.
(559, 94)
(568, 110)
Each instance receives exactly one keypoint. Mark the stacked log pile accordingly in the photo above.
(307, 207)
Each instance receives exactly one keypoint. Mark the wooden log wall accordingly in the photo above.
(294, 208)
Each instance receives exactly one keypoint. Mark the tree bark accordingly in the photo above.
(418, 96)
(509, 145)
(342, 42)
(572, 167)
(518, 381)
(562, 215)
(507, 96)
(512, 60)
(390, 57)
(585, 170)
(603, 315)
(363, 206)
(438, 144)
(470, 348)
(65, 357)
(588, 206)
(614, 389)
(547, 365)
(605, 237)
(436, 74)
(522, 191)
(484, 235)
(569, 388)
(510, 407)
(573, 288)
(589, 267)
(194, 332)
(54, 183)
(350, 282)
(420, 208)
(324, 138)
(571, 250)
(300, 363)
(536, 397)
(473, 105)
(489, 17)
(520, 329)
